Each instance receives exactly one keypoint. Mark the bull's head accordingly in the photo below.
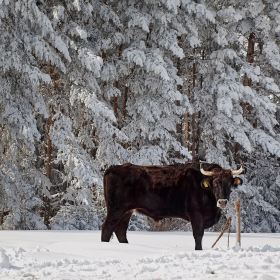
(220, 181)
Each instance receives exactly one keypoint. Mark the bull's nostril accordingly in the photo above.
(222, 203)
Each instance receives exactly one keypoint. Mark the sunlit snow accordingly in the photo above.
(150, 255)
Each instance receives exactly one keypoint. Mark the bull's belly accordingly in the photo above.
(208, 221)
(157, 216)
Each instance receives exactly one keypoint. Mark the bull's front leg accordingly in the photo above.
(198, 229)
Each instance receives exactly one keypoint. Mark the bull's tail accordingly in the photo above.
(106, 182)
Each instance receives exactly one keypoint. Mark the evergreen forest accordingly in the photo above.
(86, 84)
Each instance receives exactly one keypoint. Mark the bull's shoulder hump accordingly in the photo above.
(111, 169)
(118, 169)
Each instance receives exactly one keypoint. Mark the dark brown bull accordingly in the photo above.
(188, 191)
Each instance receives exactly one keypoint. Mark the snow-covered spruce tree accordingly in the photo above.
(116, 80)
(83, 131)
(25, 41)
(156, 101)
(263, 167)
(238, 112)
(153, 103)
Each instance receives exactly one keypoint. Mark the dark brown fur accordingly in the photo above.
(164, 192)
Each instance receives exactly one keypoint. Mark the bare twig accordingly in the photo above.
(227, 225)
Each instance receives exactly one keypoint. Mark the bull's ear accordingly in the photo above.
(237, 181)
(205, 184)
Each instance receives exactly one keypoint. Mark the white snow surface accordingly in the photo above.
(149, 255)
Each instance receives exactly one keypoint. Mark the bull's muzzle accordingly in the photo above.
(222, 203)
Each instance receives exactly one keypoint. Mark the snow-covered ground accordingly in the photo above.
(150, 255)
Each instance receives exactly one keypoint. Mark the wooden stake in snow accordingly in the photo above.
(227, 225)
(238, 234)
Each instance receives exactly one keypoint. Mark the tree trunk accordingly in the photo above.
(116, 100)
(49, 147)
(199, 116)
(1, 217)
(49, 124)
(117, 86)
(94, 150)
(247, 82)
(187, 131)
(250, 57)
(47, 211)
(84, 123)
(179, 88)
(124, 105)
(194, 157)
(188, 116)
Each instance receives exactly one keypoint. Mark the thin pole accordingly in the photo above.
(238, 231)
(228, 233)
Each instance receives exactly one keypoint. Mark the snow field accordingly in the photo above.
(150, 255)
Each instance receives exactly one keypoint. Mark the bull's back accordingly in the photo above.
(154, 188)
(149, 178)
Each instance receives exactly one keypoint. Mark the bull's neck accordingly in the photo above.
(218, 214)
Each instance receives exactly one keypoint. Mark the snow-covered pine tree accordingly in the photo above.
(83, 132)
(87, 84)
(156, 101)
(239, 113)
(157, 36)
(26, 38)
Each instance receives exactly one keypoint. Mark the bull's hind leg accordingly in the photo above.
(109, 225)
(106, 232)
(121, 227)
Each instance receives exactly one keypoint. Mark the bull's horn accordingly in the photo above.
(237, 172)
(206, 173)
